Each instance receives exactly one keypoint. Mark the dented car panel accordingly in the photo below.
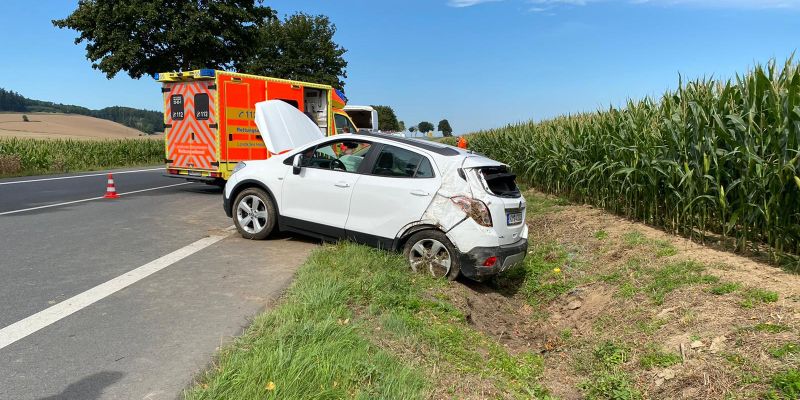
(389, 200)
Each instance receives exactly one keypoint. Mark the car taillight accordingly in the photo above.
(490, 262)
(475, 209)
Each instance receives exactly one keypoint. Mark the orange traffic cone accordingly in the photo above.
(111, 190)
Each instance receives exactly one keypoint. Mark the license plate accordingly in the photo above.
(514, 218)
(194, 173)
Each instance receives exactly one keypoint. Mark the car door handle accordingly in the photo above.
(341, 184)
(420, 193)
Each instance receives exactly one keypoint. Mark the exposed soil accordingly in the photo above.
(63, 126)
(724, 350)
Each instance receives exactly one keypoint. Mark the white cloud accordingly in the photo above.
(467, 3)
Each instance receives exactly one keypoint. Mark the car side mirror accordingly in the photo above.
(297, 164)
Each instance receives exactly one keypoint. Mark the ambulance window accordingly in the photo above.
(176, 107)
(343, 125)
(293, 103)
(201, 106)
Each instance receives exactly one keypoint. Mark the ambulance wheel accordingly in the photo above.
(254, 214)
(431, 252)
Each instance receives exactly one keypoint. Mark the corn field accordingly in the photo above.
(712, 157)
(22, 156)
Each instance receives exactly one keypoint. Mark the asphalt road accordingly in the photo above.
(125, 298)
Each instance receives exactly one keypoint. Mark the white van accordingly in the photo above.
(365, 117)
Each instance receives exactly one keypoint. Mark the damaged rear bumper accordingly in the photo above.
(507, 256)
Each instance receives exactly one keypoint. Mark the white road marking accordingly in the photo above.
(89, 199)
(48, 316)
(79, 176)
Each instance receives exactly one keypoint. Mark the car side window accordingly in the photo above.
(340, 155)
(401, 163)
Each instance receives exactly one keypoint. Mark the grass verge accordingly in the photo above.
(356, 324)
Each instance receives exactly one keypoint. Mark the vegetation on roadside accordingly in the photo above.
(19, 156)
(593, 312)
(718, 157)
(357, 324)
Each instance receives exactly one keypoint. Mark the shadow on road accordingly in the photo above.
(88, 388)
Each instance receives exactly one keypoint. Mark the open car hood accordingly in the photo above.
(283, 127)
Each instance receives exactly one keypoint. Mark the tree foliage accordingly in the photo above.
(412, 128)
(12, 101)
(425, 126)
(143, 37)
(444, 127)
(387, 120)
(300, 48)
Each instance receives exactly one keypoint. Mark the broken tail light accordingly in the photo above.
(475, 209)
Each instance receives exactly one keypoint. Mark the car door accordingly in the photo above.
(317, 200)
(396, 191)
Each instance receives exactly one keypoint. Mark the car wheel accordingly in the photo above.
(431, 252)
(254, 214)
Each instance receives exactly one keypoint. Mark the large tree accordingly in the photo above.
(444, 127)
(143, 37)
(425, 126)
(301, 48)
(387, 120)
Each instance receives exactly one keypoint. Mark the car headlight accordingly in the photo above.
(238, 167)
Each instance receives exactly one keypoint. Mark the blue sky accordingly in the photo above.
(479, 63)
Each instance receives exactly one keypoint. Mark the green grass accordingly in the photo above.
(753, 296)
(601, 235)
(675, 275)
(786, 386)
(725, 288)
(768, 328)
(634, 239)
(20, 156)
(654, 356)
(607, 379)
(537, 277)
(356, 323)
(788, 349)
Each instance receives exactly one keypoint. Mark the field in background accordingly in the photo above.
(712, 160)
(22, 156)
(62, 126)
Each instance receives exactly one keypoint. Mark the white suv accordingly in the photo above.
(450, 211)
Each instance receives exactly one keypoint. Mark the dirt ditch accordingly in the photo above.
(715, 322)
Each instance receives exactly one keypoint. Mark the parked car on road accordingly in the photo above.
(450, 211)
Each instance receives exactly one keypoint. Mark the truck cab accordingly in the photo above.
(365, 117)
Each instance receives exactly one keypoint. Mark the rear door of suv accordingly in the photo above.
(396, 191)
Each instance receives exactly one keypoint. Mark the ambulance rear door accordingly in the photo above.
(191, 125)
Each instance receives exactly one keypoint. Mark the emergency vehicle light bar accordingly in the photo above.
(185, 75)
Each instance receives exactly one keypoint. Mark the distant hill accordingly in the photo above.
(144, 120)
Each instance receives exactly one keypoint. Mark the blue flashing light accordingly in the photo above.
(207, 72)
(341, 94)
(155, 76)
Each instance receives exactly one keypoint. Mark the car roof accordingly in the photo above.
(433, 147)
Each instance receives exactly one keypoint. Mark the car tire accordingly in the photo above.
(254, 214)
(431, 252)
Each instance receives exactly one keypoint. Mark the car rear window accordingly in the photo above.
(500, 181)
(401, 163)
